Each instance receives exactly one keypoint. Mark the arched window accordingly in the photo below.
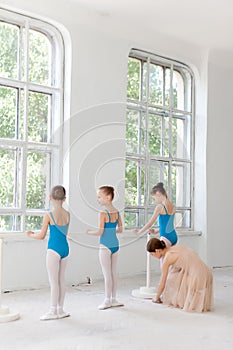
(31, 115)
(159, 136)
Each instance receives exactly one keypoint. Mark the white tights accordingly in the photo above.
(108, 263)
(56, 267)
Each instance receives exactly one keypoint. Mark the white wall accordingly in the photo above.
(219, 158)
(94, 153)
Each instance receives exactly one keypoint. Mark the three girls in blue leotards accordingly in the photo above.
(110, 224)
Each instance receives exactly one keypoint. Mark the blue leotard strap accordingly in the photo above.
(165, 208)
(52, 218)
(109, 216)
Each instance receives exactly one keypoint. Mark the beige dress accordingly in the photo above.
(189, 284)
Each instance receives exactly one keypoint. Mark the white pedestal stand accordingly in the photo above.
(146, 292)
(6, 315)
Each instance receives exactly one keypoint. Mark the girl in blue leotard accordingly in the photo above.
(57, 252)
(164, 212)
(109, 225)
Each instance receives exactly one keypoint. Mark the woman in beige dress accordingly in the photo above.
(186, 281)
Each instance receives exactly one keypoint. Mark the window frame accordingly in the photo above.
(141, 105)
(55, 90)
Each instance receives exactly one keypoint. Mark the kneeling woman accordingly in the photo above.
(186, 281)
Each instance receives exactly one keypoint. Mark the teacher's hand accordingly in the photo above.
(157, 300)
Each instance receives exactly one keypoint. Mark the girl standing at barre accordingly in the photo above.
(109, 225)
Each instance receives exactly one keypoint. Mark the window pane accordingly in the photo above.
(135, 180)
(158, 172)
(149, 215)
(135, 132)
(33, 222)
(144, 82)
(8, 112)
(158, 133)
(155, 134)
(39, 58)
(20, 133)
(167, 87)
(10, 223)
(134, 218)
(186, 77)
(183, 219)
(38, 170)
(133, 86)
(10, 178)
(130, 219)
(181, 186)
(132, 131)
(38, 117)
(156, 84)
(181, 136)
(166, 140)
(178, 90)
(9, 36)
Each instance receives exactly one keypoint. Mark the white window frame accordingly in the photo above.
(146, 159)
(56, 91)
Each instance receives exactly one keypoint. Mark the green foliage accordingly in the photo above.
(39, 58)
(9, 50)
(36, 180)
(10, 223)
(8, 110)
(33, 222)
(156, 85)
(7, 178)
(38, 105)
(133, 85)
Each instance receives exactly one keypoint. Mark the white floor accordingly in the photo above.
(139, 325)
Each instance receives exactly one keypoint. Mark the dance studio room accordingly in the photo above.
(116, 122)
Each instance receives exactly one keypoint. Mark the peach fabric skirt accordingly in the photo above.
(189, 284)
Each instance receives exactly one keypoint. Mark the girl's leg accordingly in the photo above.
(168, 245)
(114, 274)
(105, 261)
(62, 289)
(52, 264)
(114, 302)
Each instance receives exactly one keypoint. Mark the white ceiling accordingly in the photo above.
(208, 23)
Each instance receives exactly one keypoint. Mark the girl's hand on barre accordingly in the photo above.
(154, 231)
(29, 233)
(136, 230)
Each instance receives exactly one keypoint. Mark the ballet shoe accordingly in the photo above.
(116, 303)
(63, 314)
(49, 316)
(105, 305)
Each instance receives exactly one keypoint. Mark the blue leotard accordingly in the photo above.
(109, 238)
(166, 227)
(57, 239)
